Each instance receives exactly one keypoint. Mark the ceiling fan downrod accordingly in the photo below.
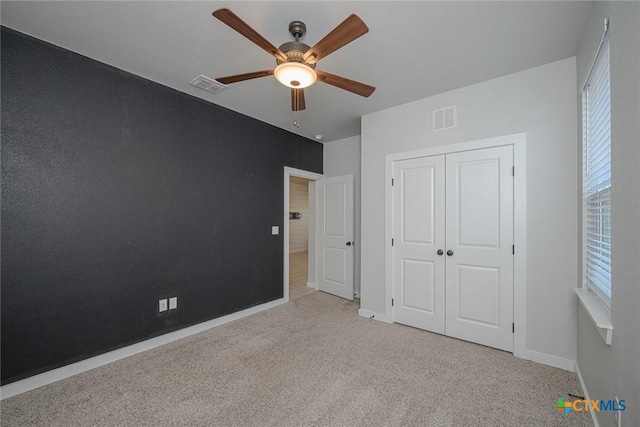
(297, 29)
(295, 50)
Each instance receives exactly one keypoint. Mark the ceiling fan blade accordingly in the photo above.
(243, 77)
(297, 100)
(232, 20)
(349, 30)
(346, 84)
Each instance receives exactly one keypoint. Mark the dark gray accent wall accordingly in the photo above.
(116, 192)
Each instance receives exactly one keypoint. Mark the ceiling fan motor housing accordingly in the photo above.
(294, 52)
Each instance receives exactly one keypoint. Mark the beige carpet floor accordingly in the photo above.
(310, 362)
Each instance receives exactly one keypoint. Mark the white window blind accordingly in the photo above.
(596, 131)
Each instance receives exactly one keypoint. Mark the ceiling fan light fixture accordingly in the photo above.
(295, 75)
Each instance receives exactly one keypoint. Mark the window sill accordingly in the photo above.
(599, 315)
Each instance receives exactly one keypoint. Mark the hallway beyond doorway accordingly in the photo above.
(298, 271)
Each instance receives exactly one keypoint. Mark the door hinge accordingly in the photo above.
(391, 302)
(513, 328)
(513, 171)
(513, 249)
(392, 182)
(391, 242)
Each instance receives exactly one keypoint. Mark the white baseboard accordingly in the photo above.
(549, 360)
(311, 285)
(594, 420)
(67, 371)
(375, 316)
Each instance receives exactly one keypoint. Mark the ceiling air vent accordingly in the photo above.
(208, 84)
(445, 118)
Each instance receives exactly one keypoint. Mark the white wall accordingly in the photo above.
(342, 157)
(609, 371)
(540, 102)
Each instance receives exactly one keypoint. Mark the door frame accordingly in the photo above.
(518, 141)
(312, 176)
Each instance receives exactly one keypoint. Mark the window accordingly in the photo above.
(596, 184)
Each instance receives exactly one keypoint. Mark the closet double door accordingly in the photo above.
(453, 245)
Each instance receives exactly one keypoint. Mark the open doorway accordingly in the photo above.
(299, 237)
(299, 233)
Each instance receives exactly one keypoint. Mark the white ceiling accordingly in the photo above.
(413, 49)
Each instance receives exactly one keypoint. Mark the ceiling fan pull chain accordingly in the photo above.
(296, 119)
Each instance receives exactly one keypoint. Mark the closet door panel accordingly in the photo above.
(418, 230)
(479, 239)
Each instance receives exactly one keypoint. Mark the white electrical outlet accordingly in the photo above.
(162, 305)
(173, 303)
(275, 230)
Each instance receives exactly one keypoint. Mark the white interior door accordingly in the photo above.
(334, 207)
(418, 230)
(479, 229)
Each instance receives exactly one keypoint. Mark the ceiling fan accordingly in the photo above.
(296, 61)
